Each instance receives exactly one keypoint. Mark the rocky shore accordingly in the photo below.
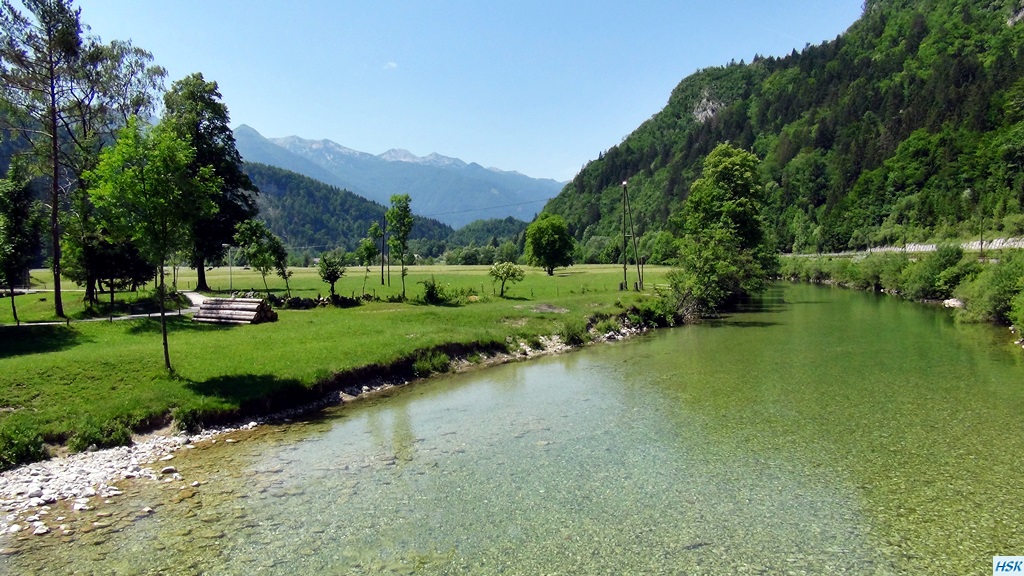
(28, 493)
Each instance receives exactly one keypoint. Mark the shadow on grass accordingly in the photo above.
(175, 324)
(28, 339)
(253, 394)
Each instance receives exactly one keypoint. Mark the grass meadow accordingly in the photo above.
(58, 380)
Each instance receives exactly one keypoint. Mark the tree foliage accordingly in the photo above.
(724, 253)
(147, 192)
(193, 106)
(506, 272)
(64, 95)
(21, 224)
(261, 249)
(38, 56)
(868, 139)
(400, 222)
(331, 269)
(548, 243)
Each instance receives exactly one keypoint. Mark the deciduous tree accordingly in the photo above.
(367, 253)
(548, 243)
(506, 272)
(261, 248)
(21, 224)
(38, 56)
(145, 188)
(331, 269)
(724, 253)
(193, 106)
(399, 218)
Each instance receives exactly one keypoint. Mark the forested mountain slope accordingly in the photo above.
(907, 127)
(312, 216)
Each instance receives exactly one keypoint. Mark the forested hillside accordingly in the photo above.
(312, 216)
(907, 127)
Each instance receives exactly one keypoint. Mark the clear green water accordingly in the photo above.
(822, 432)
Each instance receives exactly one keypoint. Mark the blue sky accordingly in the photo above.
(540, 87)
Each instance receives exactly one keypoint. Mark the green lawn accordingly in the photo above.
(60, 379)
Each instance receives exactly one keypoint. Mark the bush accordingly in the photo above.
(187, 419)
(990, 295)
(934, 276)
(1013, 224)
(607, 325)
(19, 444)
(574, 332)
(890, 271)
(430, 362)
(1017, 311)
(90, 434)
(339, 301)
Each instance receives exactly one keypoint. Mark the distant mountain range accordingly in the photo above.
(447, 189)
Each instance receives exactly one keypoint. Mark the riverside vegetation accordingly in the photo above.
(92, 384)
(989, 292)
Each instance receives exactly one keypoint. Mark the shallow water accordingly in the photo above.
(823, 431)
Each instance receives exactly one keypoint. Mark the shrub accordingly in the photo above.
(934, 276)
(430, 362)
(436, 294)
(991, 294)
(1013, 224)
(1017, 311)
(187, 419)
(90, 433)
(890, 273)
(574, 332)
(19, 444)
(607, 325)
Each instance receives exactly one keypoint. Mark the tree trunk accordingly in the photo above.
(383, 236)
(201, 285)
(163, 318)
(58, 303)
(403, 276)
(14, 308)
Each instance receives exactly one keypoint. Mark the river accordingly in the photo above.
(820, 431)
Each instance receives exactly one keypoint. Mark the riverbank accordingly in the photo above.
(989, 291)
(77, 482)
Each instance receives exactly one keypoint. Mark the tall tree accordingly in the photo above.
(724, 252)
(194, 107)
(548, 243)
(112, 82)
(38, 57)
(20, 228)
(146, 189)
(399, 217)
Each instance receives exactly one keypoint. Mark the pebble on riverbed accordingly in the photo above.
(79, 477)
(86, 475)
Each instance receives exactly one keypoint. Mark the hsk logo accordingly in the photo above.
(1008, 565)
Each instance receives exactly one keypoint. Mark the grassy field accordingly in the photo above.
(88, 379)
